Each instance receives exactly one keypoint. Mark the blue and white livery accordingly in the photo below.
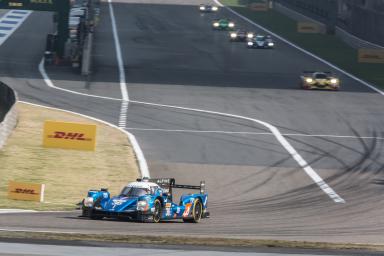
(148, 200)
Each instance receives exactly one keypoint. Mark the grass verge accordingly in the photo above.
(186, 240)
(328, 47)
(67, 174)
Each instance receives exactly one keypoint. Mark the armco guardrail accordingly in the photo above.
(8, 118)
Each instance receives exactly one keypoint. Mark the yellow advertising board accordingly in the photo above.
(26, 191)
(308, 27)
(69, 135)
(371, 56)
(262, 6)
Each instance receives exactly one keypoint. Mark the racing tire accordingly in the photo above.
(157, 212)
(197, 212)
(88, 212)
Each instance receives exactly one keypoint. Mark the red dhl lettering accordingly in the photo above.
(69, 136)
(371, 56)
(25, 191)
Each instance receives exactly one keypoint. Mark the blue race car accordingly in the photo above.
(261, 42)
(148, 200)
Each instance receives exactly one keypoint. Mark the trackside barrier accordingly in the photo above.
(8, 118)
(347, 37)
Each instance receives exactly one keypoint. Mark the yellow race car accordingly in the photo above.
(310, 80)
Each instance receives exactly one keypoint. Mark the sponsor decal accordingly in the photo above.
(308, 27)
(168, 205)
(168, 212)
(26, 191)
(69, 135)
(187, 210)
(259, 6)
(371, 56)
(117, 202)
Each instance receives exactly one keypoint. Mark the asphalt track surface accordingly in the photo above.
(256, 190)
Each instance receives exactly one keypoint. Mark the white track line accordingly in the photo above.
(120, 63)
(302, 50)
(280, 138)
(297, 157)
(258, 133)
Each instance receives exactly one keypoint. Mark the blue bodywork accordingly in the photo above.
(99, 204)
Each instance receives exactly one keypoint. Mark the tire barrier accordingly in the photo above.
(8, 112)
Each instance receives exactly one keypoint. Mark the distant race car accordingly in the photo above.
(223, 24)
(147, 200)
(240, 36)
(319, 80)
(261, 41)
(208, 8)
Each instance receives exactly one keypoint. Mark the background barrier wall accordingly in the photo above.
(8, 113)
(343, 34)
(358, 24)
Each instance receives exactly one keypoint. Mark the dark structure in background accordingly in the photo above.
(324, 11)
(362, 18)
(7, 99)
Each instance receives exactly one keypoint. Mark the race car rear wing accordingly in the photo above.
(169, 184)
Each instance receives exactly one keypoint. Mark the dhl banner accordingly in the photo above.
(26, 191)
(261, 6)
(69, 135)
(371, 56)
(308, 27)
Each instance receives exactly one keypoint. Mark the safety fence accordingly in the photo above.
(8, 112)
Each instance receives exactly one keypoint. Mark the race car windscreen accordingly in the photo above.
(260, 38)
(321, 76)
(134, 192)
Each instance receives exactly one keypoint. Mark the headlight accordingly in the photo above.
(309, 80)
(215, 8)
(231, 24)
(233, 35)
(250, 43)
(88, 202)
(271, 44)
(142, 205)
(334, 81)
(216, 24)
(250, 35)
(202, 7)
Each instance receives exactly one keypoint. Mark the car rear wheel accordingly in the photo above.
(157, 212)
(197, 212)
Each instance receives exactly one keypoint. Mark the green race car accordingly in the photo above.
(223, 24)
